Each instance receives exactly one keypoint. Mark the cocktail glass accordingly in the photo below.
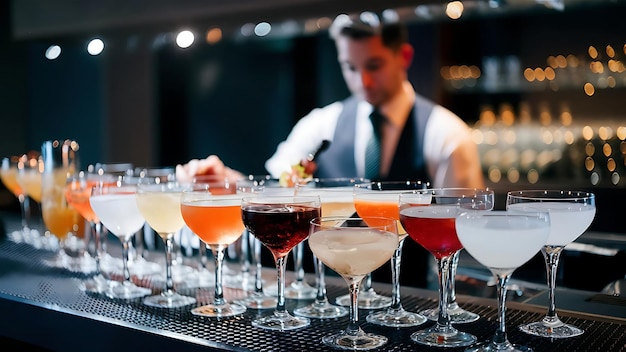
(116, 207)
(258, 298)
(502, 241)
(77, 192)
(353, 247)
(280, 223)
(433, 228)
(29, 169)
(216, 220)
(8, 174)
(336, 197)
(571, 213)
(381, 199)
(60, 159)
(160, 205)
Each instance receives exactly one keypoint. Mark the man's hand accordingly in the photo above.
(212, 165)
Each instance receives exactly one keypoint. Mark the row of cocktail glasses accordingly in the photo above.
(141, 202)
(442, 221)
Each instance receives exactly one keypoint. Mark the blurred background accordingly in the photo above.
(542, 82)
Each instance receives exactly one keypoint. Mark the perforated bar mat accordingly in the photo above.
(24, 276)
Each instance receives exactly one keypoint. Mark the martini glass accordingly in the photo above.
(571, 213)
(433, 228)
(216, 220)
(381, 199)
(159, 203)
(502, 241)
(77, 192)
(353, 247)
(280, 223)
(8, 175)
(336, 197)
(116, 207)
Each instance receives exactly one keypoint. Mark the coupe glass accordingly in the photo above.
(433, 228)
(8, 175)
(77, 192)
(258, 298)
(159, 203)
(336, 197)
(353, 247)
(571, 213)
(116, 207)
(60, 159)
(29, 169)
(381, 199)
(280, 223)
(216, 220)
(502, 241)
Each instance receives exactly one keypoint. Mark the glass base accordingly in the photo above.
(258, 301)
(443, 337)
(396, 318)
(168, 300)
(281, 322)
(457, 315)
(98, 285)
(127, 290)
(358, 342)
(198, 279)
(561, 331)
(502, 347)
(300, 290)
(321, 310)
(218, 311)
(367, 300)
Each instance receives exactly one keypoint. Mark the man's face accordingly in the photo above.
(371, 70)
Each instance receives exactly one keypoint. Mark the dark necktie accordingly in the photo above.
(372, 152)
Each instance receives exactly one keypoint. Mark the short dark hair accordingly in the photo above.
(393, 33)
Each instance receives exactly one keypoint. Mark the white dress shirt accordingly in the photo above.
(451, 155)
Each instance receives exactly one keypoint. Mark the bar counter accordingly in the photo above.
(44, 308)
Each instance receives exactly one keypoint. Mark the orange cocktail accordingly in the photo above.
(379, 205)
(216, 223)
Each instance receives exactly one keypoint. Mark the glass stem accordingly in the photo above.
(396, 260)
(551, 254)
(25, 210)
(353, 327)
(125, 250)
(499, 338)
(298, 253)
(218, 253)
(258, 280)
(280, 267)
(321, 281)
(443, 320)
(169, 249)
(454, 262)
(245, 259)
(202, 254)
(96, 227)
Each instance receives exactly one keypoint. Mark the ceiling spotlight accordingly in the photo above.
(95, 46)
(262, 29)
(53, 52)
(184, 39)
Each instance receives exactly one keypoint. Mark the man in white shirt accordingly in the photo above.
(419, 140)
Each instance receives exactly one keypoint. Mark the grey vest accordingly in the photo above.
(408, 162)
